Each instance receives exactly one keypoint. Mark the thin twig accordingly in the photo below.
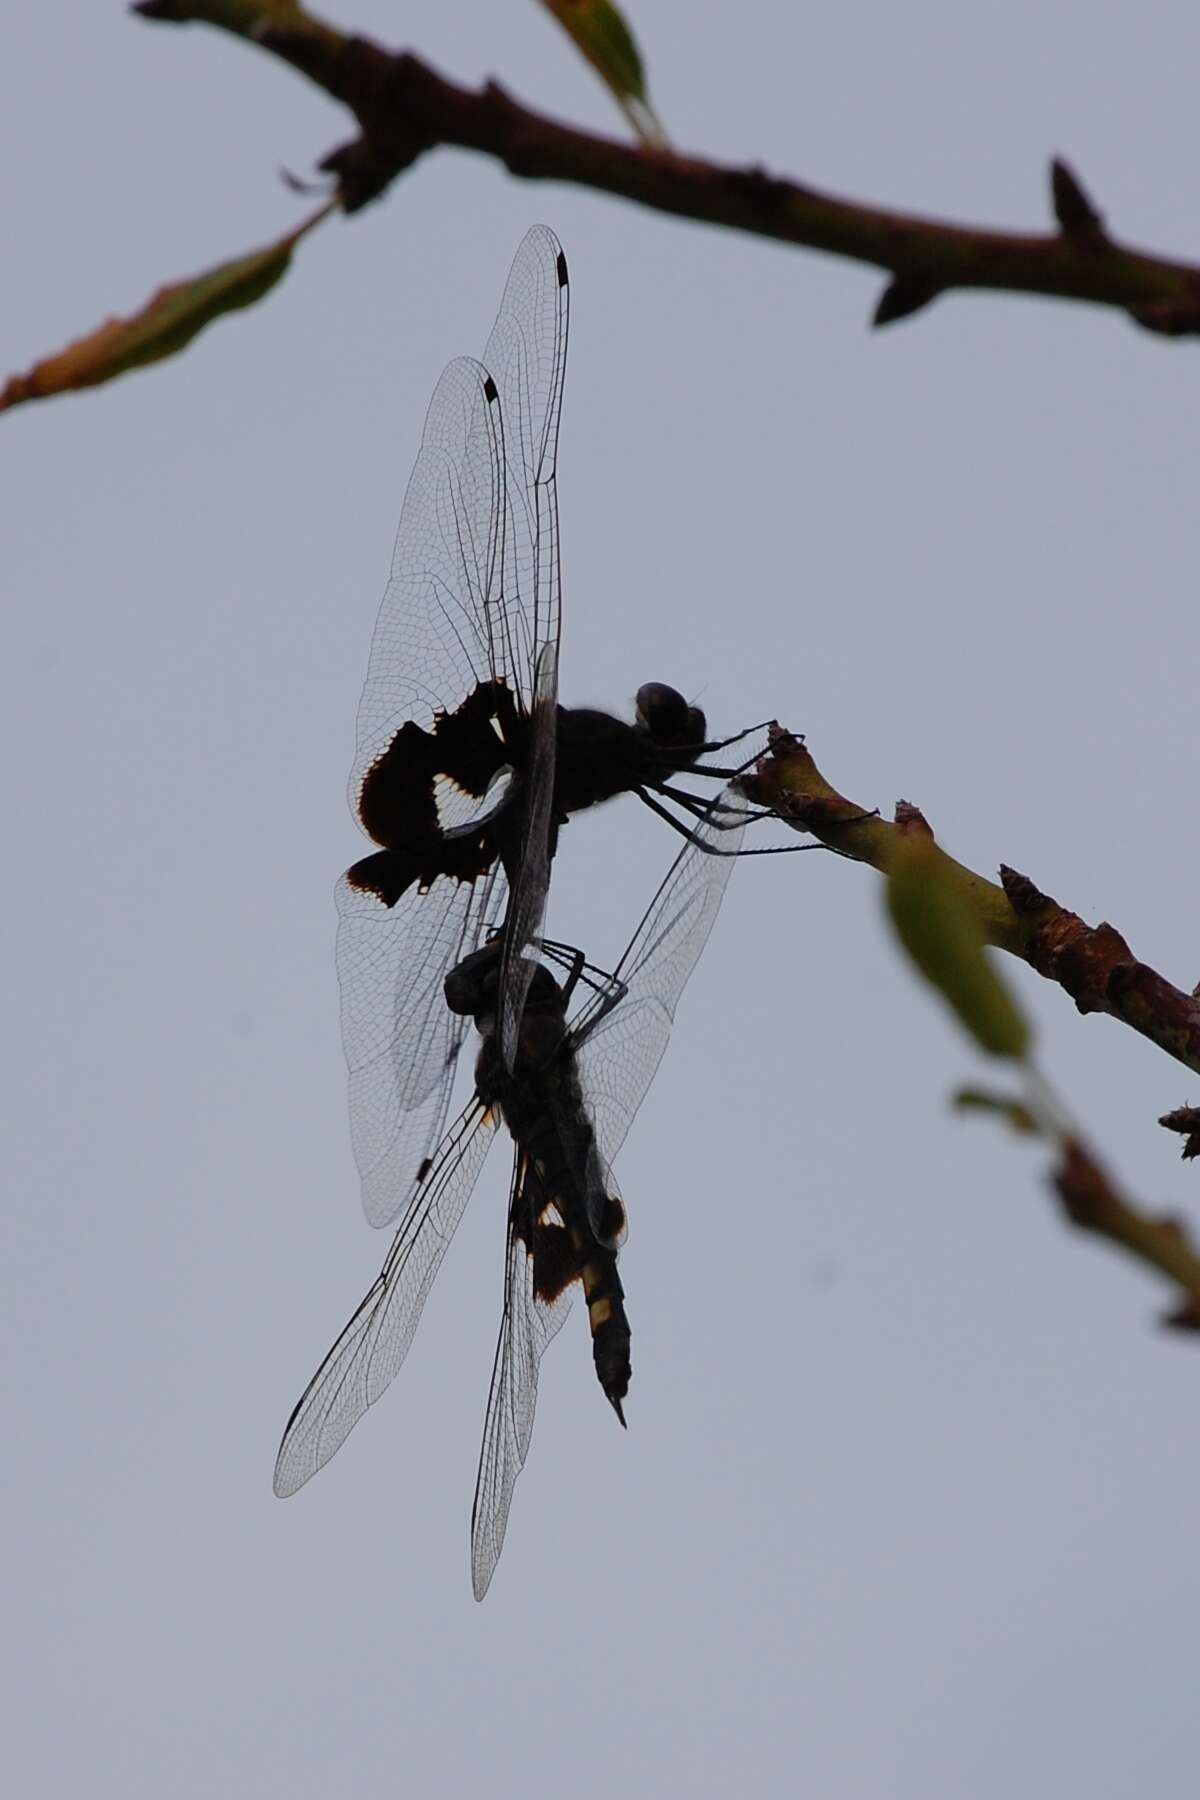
(404, 108)
(1092, 962)
(1090, 1199)
(1092, 1203)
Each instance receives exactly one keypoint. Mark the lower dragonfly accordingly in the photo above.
(568, 1100)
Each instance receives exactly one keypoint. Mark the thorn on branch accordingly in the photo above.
(1186, 1121)
(903, 296)
(1184, 1318)
(1073, 208)
(1023, 896)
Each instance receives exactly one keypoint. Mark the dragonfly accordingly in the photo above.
(466, 766)
(581, 1072)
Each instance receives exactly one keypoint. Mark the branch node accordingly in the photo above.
(781, 741)
(1080, 1186)
(808, 811)
(911, 821)
(764, 194)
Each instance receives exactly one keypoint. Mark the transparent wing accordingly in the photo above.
(376, 1340)
(527, 902)
(473, 599)
(433, 640)
(401, 1039)
(528, 1324)
(621, 1045)
(474, 588)
(527, 357)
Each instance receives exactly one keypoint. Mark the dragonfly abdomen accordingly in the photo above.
(553, 1198)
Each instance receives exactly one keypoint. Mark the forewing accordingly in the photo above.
(375, 1342)
(527, 901)
(530, 1321)
(400, 1037)
(620, 1045)
(432, 638)
(526, 355)
(473, 599)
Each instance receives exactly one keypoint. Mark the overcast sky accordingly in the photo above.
(907, 1504)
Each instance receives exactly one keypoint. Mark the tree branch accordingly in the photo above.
(1092, 962)
(404, 108)
(1092, 1203)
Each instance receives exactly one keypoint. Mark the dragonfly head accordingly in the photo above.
(473, 986)
(663, 712)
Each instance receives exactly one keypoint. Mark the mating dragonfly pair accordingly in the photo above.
(466, 769)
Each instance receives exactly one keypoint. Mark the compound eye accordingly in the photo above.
(663, 711)
(697, 726)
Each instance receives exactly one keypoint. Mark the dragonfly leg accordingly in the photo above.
(714, 850)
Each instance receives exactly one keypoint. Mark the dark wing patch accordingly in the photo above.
(389, 874)
(397, 802)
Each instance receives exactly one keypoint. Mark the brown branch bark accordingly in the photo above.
(1092, 962)
(403, 108)
(1092, 1203)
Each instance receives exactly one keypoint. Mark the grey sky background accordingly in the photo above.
(907, 1502)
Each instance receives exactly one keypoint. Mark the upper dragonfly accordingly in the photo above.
(568, 1101)
(466, 765)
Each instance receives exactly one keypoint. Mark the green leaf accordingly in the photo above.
(600, 32)
(167, 323)
(1015, 1112)
(938, 926)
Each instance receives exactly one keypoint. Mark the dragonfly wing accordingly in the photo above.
(432, 644)
(538, 1289)
(526, 355)
(527, 902)
(401, 1039)
(621, 1044)
(375, 1342)
(472, 603)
